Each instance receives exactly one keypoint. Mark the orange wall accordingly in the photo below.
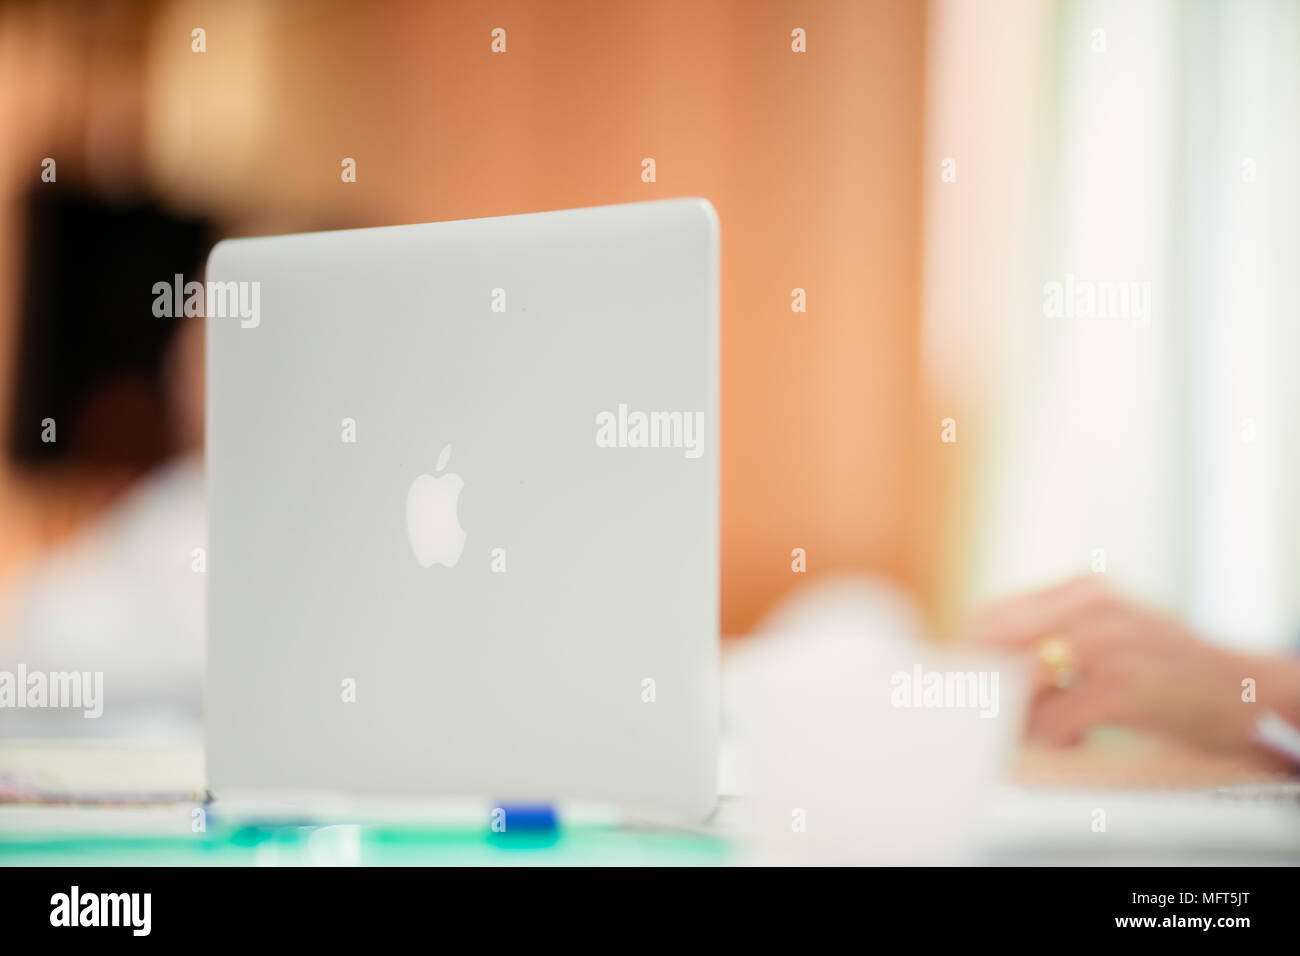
(813, 161)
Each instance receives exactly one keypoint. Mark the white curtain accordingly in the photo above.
(1155, 155)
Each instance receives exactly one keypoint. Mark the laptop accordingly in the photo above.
(463, 505)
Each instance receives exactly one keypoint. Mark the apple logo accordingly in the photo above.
(431, 519)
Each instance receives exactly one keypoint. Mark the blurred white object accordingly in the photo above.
(847, 604)
(123, 598)
(835, 768)
(1275, 731)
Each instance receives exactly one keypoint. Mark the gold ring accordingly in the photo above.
(1060, 658)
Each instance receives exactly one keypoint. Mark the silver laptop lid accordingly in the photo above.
(463, 491)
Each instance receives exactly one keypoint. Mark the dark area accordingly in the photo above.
(89, 345)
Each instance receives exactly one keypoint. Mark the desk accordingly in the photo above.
(1025, 825)
(163, 833)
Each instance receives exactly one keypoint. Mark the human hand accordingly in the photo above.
(1136, 668)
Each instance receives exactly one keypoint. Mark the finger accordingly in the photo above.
(1010, 617)
(1030, 617)
(1065, 717)
(1094, 639)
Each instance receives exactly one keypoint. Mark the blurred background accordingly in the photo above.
(923, 171)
